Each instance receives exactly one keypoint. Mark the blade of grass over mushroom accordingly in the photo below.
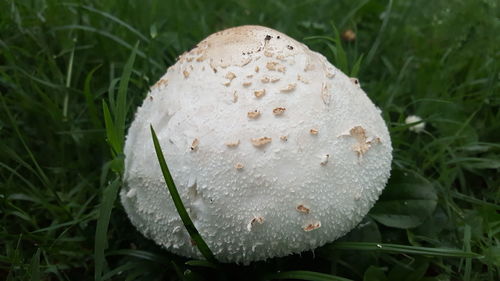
(404, 249)
(186, 220)
(305, 275)
(101, 232)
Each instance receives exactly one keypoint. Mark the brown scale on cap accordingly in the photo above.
(313, 131)
(232, 143)
(259, 142)
(259, 93)
(302, 79)
(325, 93)
(265, 79)
(185, 73)
(256, 69)
(280, 57)
(363, 145)
(254, 221)
(284, 138)
(309, 67)
(247, 84)
(279, 110)
(238, 166)
(194, 144)
(235, 97)
(275, 79)
(302, 209)
(246, 61)
(268, 54)
(289, 88)
(201, 58)
(275, 66)
(230, 76)
(330, 75)
(160, 83)
(253, 114)
(312, 226)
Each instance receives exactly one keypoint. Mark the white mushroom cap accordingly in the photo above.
(301, 172)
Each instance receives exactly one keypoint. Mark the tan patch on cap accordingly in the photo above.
(258, 142)
(312, 226)
(232, 143)
(259, 93)
(279, 110)
(275, 66)
(303, 209)
(160, 83)
(363, 145)
(194, 144)
(254, 221)
(302, 79)
(253, 114)
(289, 88)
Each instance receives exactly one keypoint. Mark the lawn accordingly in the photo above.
(66, 66)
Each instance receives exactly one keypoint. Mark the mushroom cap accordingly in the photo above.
(273, 150)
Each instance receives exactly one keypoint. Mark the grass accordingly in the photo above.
(61, 153)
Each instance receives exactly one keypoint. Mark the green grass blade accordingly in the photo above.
(89, 98)
(120, 111)
(35, 266)
(111, 135)
(404, 249)
(305, 275)
(340, 55)
(101, 232)
(468, 260)
(106, 34)
(186, 220)
(356, 67)
(144, 255)
(201, 263)
(374, 48)
(111, 93)
(69, 74)
(110, 17)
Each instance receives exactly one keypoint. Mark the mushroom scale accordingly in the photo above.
(277, 177)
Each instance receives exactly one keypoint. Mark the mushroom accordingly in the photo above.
(417, 128)
(262, 187)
